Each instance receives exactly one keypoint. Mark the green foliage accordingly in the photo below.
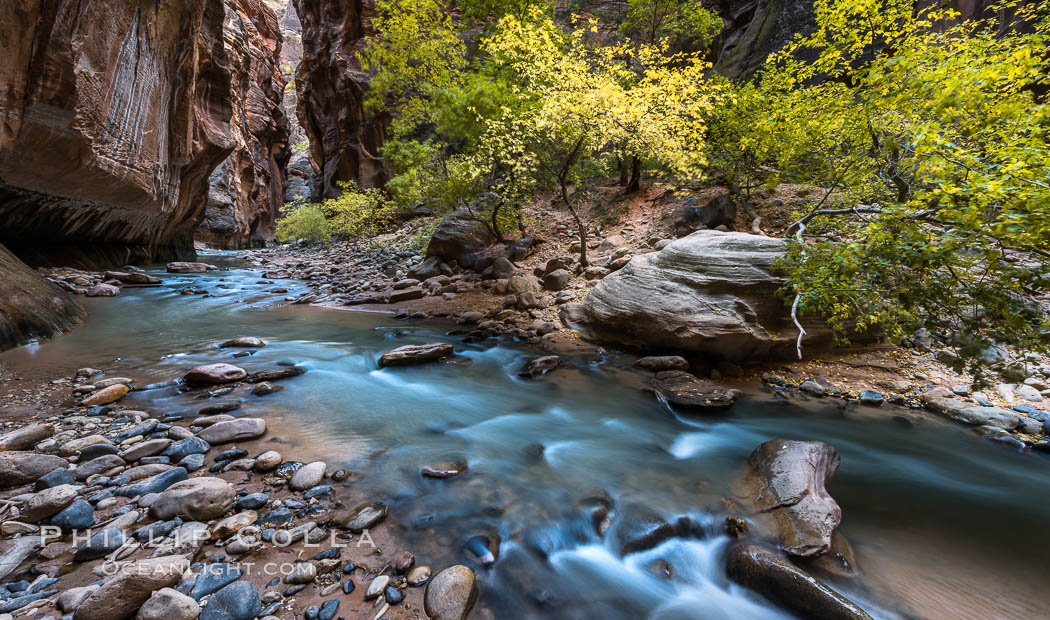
(301, 147)
(417, 49)
(679, 21)
(358, 212)
(933, 153)
(481, 10)
(579, 103)
(302, 221)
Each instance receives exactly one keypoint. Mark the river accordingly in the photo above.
(944, 525)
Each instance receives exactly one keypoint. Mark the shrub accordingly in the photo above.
(302, 221)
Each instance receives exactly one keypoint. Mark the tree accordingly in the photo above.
(931, 147)
(416, 50)
(581, 103)
(677, 21)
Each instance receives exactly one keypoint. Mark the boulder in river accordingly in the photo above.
(239, 429)
(451, 594)
(710, 293)
(540, 366)
(782, 582)
(685, 391)
(416, 354)
(247, 342)
(214, 374)
(186, 267)
(784, 480)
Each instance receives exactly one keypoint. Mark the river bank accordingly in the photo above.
(534, 445)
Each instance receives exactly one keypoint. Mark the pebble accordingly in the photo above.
(101, 544)
(418, 575)
(268, 461)
(376, 587)
(252, 501)
(308, 476)
(364, 516)
(451, 594)
(304, 572)
(393, 595)
(328, 609)
(348, 586)
(211, 578)
(237, 601)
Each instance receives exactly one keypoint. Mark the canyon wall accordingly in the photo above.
(247, 189)
(345, 140)
(113, 116)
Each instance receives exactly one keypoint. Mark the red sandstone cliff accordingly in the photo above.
(247, 189)
(345, 141)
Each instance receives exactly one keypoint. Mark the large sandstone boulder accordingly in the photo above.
(122, 596)
(30, 306)
(246, 190)
(784, 481)
(710, 293)
(460, 237)
(199, 499)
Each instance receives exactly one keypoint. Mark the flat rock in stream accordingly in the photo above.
(685, 391)
(782, 582)
(186, 267)
(275, 374)
(785, 480)
(416, 354)
(239, 429)
(214, 374)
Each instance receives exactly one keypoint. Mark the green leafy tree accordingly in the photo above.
(585, 102)
(416, 50)
(931, 147)
(678, 21)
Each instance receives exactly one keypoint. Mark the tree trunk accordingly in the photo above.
(636, 176)
(622, 165)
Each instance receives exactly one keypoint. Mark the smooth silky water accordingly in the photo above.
(944, 524)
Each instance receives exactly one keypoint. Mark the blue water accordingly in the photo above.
(924, 498)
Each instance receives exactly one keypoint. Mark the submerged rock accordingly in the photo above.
(683, 390)
(784, 481)
(784, 583)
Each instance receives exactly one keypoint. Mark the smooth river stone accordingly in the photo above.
(234, 430)
(18, 468)
(120, 597)
(214, 374)
(200, 499)
(308, 476)
(415, 354)
(106, 396)
(451, 594)
(25, 437)
(363, 517)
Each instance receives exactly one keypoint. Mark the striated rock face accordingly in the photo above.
(113, 115)
(785, 481)
(30, 306)
(247, 189)
(345, 141)
(709, 293)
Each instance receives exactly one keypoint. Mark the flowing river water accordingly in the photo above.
(943, 524)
